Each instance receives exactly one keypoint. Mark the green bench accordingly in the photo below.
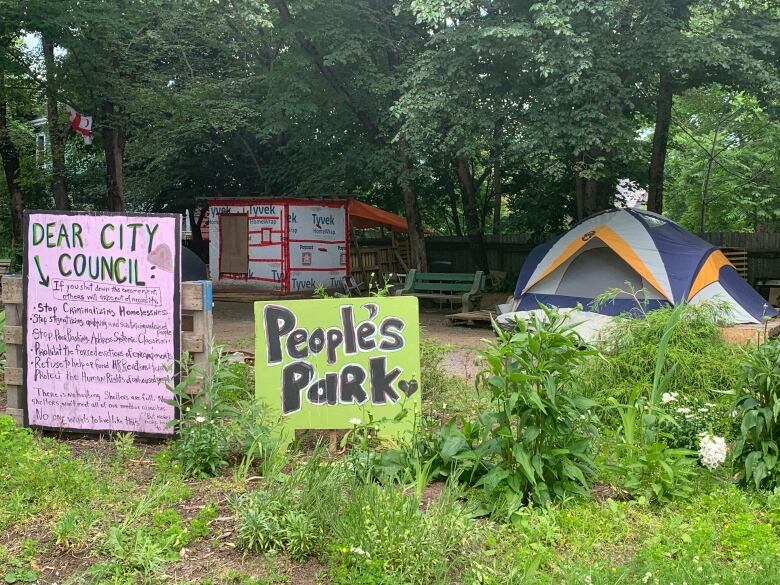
(446, 287)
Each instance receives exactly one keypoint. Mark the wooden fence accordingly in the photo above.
(506, 253)
(382, 258)
(196, 334)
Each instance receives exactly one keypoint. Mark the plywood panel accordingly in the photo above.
(234, 244)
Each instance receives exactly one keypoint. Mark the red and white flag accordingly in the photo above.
(81, 124)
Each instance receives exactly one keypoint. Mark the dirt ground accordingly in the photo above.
(234, 328)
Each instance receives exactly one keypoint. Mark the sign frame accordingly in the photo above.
(176, 373)
(309, 317)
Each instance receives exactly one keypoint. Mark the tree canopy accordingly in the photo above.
(467, 116)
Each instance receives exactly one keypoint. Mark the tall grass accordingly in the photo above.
(697, 364)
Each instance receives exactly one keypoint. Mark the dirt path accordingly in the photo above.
(234, 328)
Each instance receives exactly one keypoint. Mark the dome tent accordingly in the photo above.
(647, 251)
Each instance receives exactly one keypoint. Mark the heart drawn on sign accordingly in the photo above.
(408, 387)
(162, 258)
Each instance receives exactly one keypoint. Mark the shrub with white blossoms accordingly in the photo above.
(668, 397)
(712, 451)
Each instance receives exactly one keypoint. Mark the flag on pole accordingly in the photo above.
(81, 124)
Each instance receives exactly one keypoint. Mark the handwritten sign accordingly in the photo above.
(323, 363)
(101, 320)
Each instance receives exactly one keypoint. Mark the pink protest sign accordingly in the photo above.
(101, 320)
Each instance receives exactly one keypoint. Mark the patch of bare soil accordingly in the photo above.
(234, 328)
(431, 493)
(601, 492)
(234, 325)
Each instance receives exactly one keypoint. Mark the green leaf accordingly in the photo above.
(525, 462)
(750, 462)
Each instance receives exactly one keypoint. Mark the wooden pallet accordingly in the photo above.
(739, 258)
(471, 318)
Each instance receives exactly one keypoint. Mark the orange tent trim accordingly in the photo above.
(709, 272)
(613, 241)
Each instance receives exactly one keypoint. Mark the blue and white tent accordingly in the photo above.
(650, 252)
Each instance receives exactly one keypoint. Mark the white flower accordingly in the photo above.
(683, 410)
(704, 410)
(588, 580)
(359, 551)
(712, 451)
(667, 397)
(355, 421)
(200, 419)
(647, 577)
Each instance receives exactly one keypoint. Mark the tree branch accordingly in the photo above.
(330, 76)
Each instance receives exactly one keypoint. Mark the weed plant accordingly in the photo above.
(295, 511)
(217, 426)
(757, 448)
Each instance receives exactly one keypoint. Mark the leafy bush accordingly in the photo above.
(540, 429)
(202, 447)
(534, 441)
(755, 451)
(704, 365)
(691, 416)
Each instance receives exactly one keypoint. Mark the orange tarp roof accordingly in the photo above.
(362, 215)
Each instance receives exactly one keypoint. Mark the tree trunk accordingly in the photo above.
(605, 194)
(663, 119)
(592, 196)
(471, 213)
(454, 209)
(498, 185)
(705, 188)
(56, 133)
(113, 147)
(11, 167)
(419, 256)
(498, 194)
(579, 195)
(197, 236)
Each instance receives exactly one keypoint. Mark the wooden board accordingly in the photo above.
(774, 296)
(751, 333)
(471, 318)
(739, 258)
(250, 296)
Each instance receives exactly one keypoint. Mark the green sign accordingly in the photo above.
(322, 364)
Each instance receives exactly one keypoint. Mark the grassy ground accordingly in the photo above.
(81, 510)
(106, 512)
